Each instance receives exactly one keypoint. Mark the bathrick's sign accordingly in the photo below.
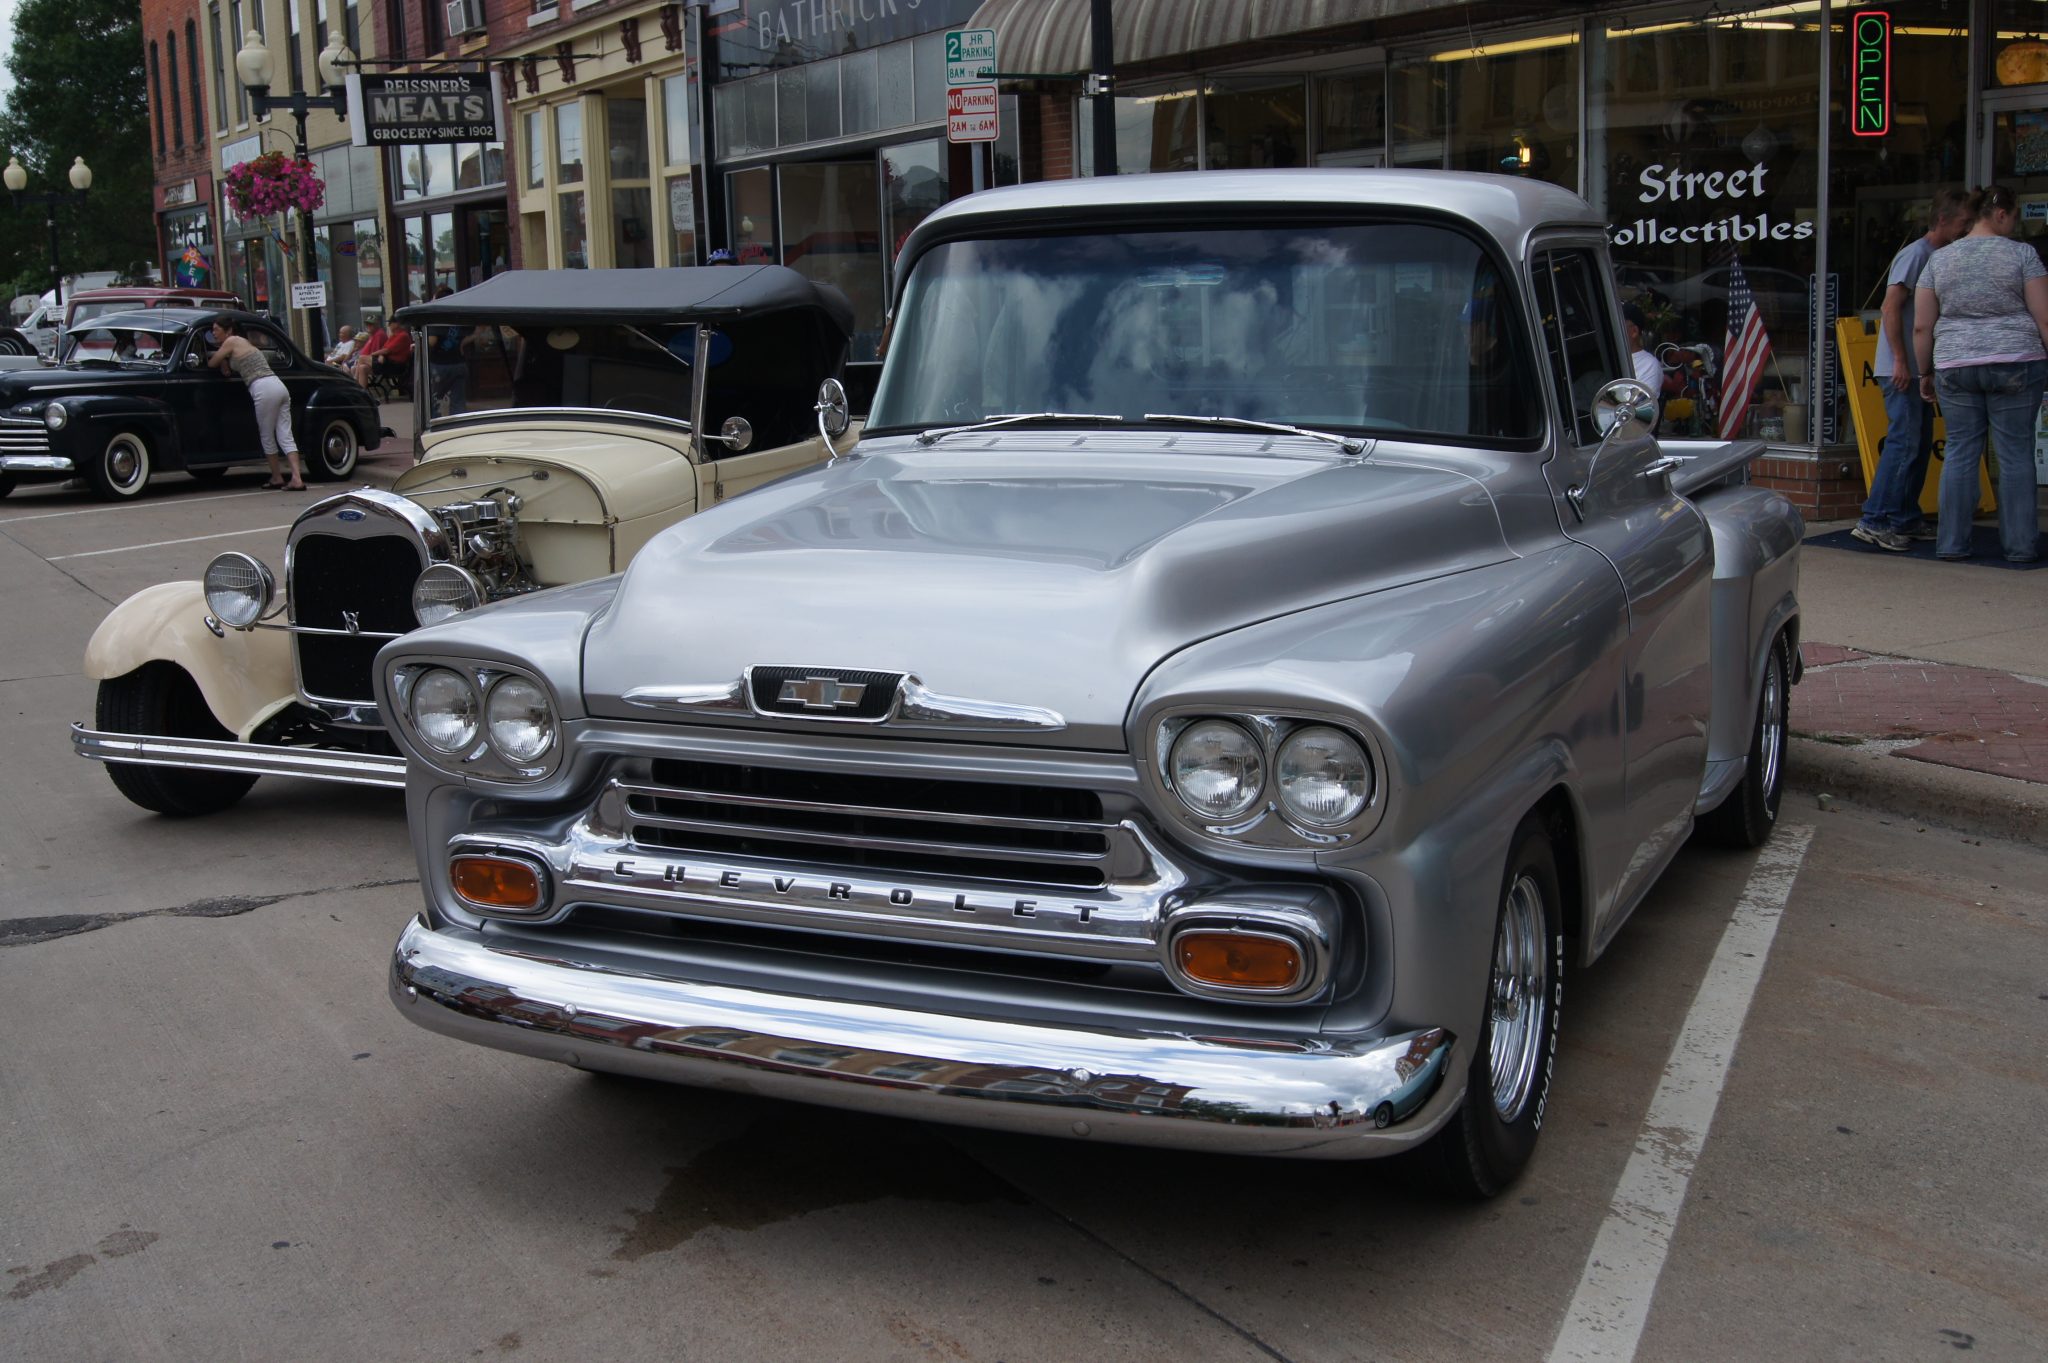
(454, 106)
(1673, 198)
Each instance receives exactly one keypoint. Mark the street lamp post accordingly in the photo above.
(255, 66)
(16, 178)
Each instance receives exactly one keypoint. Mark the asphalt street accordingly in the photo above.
(1803, 1093)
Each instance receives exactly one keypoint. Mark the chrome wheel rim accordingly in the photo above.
(124, 462)
(1520, 998)
(1772, 721)
(337, 448)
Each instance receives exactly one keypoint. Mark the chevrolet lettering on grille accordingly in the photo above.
(821, 693)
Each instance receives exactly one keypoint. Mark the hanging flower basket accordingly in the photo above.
(272, 183)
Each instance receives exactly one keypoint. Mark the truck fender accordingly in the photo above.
(245, 675)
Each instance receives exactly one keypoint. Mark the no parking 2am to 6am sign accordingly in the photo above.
(971, 107)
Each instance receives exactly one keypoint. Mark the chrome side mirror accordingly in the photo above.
(192, 361)
(737, 433)
(1621, 401)
(833, 414)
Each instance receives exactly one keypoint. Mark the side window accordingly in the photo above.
(1578, 336)
(273, 348)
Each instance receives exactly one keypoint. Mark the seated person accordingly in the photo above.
(396, 357)
(372, 344)
(344, 348)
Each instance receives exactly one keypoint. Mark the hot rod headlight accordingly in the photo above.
(444, 710)
(239, 590)
(519, 720)
(1322, 776)
(1217, 769)
(55, 417)
(443, 592)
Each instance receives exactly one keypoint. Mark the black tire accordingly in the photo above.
(1490, 1138)
(334, 451)
(121, 469)
(161, 698)
(1750, 812)
(13, 342)
(7, 481)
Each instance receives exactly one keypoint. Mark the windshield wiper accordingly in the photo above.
(939, 433)
(1349, 444)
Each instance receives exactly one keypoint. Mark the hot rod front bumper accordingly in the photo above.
(1315, 1096)
(255, 759)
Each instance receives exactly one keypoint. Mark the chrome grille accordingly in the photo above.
(965, 830)
(24, 437)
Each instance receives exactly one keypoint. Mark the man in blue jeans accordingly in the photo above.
(1891, 517)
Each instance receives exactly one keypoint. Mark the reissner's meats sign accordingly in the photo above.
(458, 106)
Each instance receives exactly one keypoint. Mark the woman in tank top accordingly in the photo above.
(273, 400)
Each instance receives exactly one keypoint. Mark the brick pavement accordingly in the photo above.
(1969, 717)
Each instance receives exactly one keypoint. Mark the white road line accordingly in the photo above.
(131, 506)
(1605, 1322)
(164, 544)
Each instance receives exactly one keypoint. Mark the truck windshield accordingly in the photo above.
(1384, 329)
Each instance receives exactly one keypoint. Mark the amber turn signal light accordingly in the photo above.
(1238, 960)
(499, 884)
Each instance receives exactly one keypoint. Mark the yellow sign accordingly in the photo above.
(1858, 341)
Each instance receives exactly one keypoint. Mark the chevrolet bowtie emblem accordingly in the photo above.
(822, 693)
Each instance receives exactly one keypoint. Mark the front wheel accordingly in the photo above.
(7, 482)
(161, 699)
(334, 454)
(14, 343)
(1489, 1140)
(121, 470)
(1750, 812)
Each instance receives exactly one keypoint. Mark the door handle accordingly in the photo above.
(1665, 465)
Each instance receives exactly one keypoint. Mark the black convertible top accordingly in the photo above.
(599, 297)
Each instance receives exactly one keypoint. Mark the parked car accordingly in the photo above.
(1254, 654)
(40, 329)
(589, 429)
(133, 396)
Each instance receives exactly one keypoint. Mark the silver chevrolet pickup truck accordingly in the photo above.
(1255, 652)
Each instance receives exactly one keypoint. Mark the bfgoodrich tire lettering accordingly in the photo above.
(335, 451)
(1491, 1137)
(121, 469)
(161, 698)
(1750, 812)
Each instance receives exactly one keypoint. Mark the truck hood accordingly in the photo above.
(1043, 576)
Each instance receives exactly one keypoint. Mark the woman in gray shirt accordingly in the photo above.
(273, 400)
(1980, 334)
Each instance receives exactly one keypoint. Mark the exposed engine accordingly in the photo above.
(483, 537)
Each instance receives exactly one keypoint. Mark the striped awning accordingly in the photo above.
(1051, 36)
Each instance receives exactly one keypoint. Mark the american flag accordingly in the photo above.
(1743, 354)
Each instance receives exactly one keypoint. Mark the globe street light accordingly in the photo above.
(256, 66)
(16, 179)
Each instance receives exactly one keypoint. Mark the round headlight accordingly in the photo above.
(1322, 776)
(444, 710)
(519, 720)
(54, 416)
(239, 590)
(443, 592)
(1216, 769)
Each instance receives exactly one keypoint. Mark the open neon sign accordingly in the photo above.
(1870, 108)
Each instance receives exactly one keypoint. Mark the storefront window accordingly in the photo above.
(1254, 121)
(478, 164)
(2018, 51)
(1155, 130)
(569, 143)
(369, 266)
(1704, 133)
(418, 256)
(675, 121)
(575, 256)
(1351, 119)
(626, 122)
(830, 210)
(1510, 106)
(536, 150)
(632, 237)
(913, 184)
(682, 220)
(750, 200)
(857, 102)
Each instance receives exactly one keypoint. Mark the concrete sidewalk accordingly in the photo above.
(1926, 688)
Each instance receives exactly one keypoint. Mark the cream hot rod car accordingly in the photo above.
(592, 409)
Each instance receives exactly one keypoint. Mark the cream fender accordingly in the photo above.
(246, 676)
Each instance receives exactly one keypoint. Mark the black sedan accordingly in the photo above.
(133, 395)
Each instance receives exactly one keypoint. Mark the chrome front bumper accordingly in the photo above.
(1307, 1097)
(36, 463)
(256, 759)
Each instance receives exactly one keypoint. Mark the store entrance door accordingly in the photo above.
(487, 244)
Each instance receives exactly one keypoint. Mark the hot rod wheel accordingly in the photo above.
(121, 469)
(1489, 1140)
(161, 698)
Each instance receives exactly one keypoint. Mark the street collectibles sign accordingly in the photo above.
(972, 109)
(456, 106)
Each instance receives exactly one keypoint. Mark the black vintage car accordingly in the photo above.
(133, 395)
